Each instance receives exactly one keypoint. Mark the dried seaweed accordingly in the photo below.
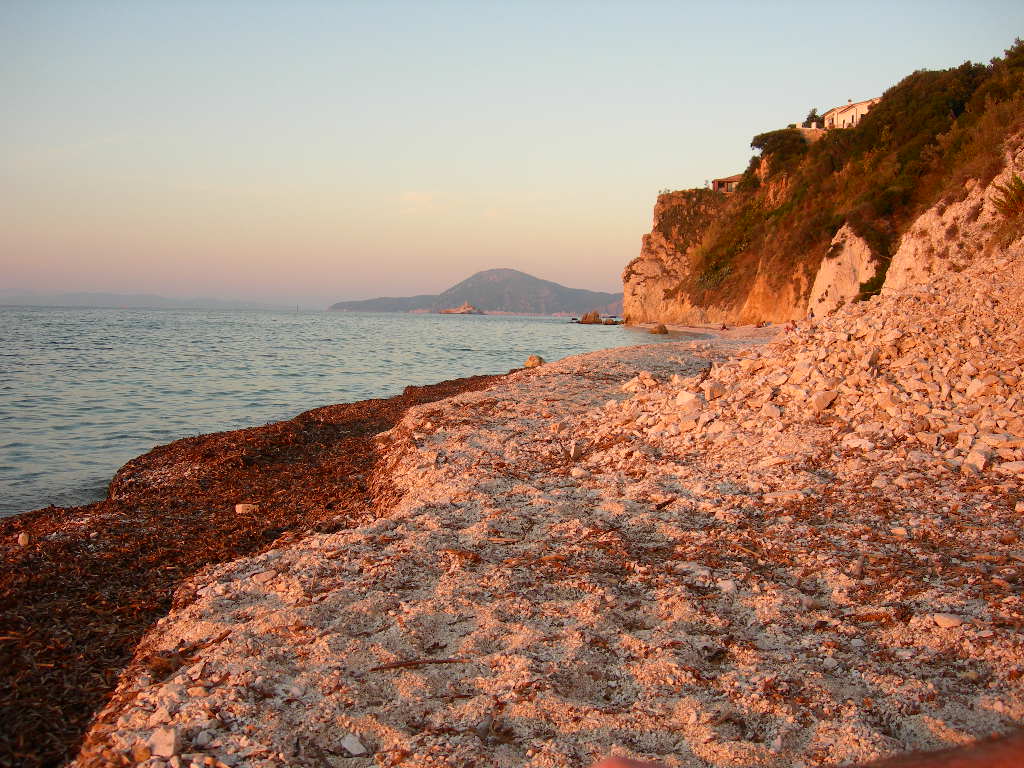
(76, 601)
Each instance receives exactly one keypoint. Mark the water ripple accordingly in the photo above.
(85, 390)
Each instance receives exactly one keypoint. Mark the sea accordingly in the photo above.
(84, 390)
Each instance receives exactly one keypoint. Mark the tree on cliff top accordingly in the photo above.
(781, 147)
(929, 133)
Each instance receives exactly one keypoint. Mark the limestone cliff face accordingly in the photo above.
(928, 181)
(651, 281)
(664, 285)
(950, 236)
(668, 282)
(846, 266)
(771, 299)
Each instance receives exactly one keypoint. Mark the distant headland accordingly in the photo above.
(498, 290)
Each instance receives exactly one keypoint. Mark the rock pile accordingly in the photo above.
(931, 377)
(804, 554)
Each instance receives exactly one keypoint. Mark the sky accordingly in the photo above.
(317, 151)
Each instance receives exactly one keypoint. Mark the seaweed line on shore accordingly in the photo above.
(75, 602)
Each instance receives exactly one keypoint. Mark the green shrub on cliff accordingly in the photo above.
(782, 147)
(678, 220)
(1010, 202)
(920, 143)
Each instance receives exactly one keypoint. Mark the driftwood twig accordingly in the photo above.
(750, 552)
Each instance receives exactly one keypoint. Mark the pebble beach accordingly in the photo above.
(777, 548)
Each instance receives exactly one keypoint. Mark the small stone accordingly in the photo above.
(141, 752)
(165, 742)
(483, 728)
(857, 569)
(947, 620)
(245, 509)
(24, 539)
(659, 329)
(160, 715)
(727, 586)
(822, 400)
(713, 389)
(976, 461)
(975, 388)
(1010, 468)
(780, 497)
(533, 361)
(353, 746)
(579, 473)
(688, 400)
(202, 739)
(853, 442)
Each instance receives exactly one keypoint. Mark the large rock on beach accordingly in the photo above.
(533, 361)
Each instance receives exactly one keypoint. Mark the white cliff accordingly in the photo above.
(951, 235)
(847, 265)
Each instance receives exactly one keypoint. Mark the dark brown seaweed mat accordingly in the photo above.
(75, 602)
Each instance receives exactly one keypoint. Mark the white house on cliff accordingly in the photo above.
(845, 116)
(849, 114)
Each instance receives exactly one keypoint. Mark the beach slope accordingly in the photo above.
(802, 552)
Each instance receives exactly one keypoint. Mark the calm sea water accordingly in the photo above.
(82, 391)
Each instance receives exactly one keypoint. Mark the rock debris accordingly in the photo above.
(802, 552)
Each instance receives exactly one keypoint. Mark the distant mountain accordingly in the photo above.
(129, 301)
(498, 290)
(387, 304)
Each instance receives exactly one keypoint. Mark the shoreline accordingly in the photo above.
(62, 458)
(389, 486)
(762, 561)
(76, 600)
(84, 488)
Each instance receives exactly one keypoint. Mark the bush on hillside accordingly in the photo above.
(782, 147)
(1010, 202)
(918, 145)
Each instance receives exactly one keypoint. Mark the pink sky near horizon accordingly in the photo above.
(313, 152)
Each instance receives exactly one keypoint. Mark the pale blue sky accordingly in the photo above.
(314, 151)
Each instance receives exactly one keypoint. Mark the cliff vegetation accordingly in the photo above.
(932, 137)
